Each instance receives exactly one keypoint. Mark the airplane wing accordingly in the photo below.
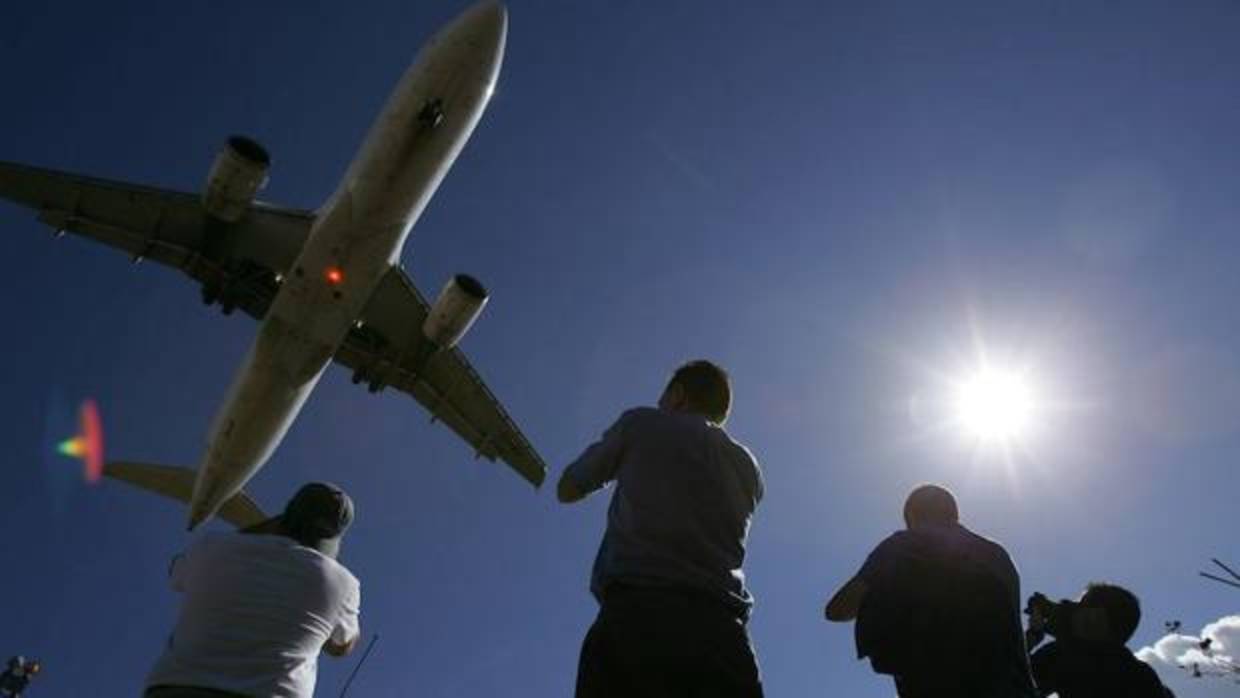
(178, 483)
(236, 263)
(239, 264)
(389, 349)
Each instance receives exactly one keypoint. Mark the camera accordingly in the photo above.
(1066, 620)
(1048, 617)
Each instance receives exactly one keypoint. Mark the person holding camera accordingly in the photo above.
(16, 677)
(260, 605)
(938, 608)
(669, 577)
(1089, 657)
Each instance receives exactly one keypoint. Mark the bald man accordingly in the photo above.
(938, 607)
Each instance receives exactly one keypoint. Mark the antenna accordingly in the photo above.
(1235, 578)
(371, 645)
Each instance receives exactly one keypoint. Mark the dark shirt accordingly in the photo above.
(942, 614)
(1089, 670)
(685, 493)
(12, 684)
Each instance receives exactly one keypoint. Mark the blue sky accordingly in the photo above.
(840, 201)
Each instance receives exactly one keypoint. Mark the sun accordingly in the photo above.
(995, 406)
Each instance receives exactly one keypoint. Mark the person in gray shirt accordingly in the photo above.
(669, 578)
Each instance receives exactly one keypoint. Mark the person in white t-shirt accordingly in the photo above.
(261, 604)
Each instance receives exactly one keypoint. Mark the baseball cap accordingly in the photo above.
(318, 515)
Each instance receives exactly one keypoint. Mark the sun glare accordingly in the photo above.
(995, 406)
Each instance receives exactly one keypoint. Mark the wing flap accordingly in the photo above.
(238, 262)
(389, 349)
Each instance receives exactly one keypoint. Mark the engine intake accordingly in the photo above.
(459, 304)
(237, 175)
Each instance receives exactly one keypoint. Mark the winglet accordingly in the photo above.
(178, 483)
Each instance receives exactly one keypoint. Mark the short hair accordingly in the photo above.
(931, 504)
(1122, 607)
(707, 388)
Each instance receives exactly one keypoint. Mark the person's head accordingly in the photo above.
(701, 387)
(930, 505)
(317, 517)
(1122, 609)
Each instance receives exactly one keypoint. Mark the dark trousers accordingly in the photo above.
(660, 643)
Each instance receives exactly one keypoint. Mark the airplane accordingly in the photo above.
(325, 284)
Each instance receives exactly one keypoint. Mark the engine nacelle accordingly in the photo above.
(237, 175)
(459, 304)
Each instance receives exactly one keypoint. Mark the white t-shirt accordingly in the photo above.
(257, 611)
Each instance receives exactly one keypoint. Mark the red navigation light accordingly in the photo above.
(334, 276)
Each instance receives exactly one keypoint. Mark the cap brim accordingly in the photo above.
(271, 525)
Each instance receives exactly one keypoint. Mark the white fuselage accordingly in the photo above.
(357, 236)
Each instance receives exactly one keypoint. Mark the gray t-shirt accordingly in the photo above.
(685, 494)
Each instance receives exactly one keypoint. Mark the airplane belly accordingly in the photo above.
(356, 237)
(269, 391)
(419, 134)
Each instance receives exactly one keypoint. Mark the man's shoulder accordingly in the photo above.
(1143, 680)
(344, 574)
(981, 542)
(898, 545)
(641, 414)
(899, 540)
(930, 544)
(325, 568)
(214, 541)
(742, 451)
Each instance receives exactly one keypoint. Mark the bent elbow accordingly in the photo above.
(567, 492)
(835, 614)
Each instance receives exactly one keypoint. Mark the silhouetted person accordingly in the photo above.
(938, 607)
(673, 605)
(16, 676)
(1089, 657)
(261, 604)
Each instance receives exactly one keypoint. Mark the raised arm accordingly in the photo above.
(846, 602)
(596, 466)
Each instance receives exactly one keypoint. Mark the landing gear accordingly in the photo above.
(371, 377)
(214, 293)
(432, 113)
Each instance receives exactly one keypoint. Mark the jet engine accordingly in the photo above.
(459, 304)
(237, 175)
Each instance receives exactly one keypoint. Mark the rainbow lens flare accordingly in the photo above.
(88, 444)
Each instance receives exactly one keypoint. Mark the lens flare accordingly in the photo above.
(88, 444)
(74, 448)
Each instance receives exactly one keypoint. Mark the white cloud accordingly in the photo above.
(1170, 654)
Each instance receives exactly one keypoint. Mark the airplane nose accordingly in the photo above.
(197, 514)
(485, 23)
